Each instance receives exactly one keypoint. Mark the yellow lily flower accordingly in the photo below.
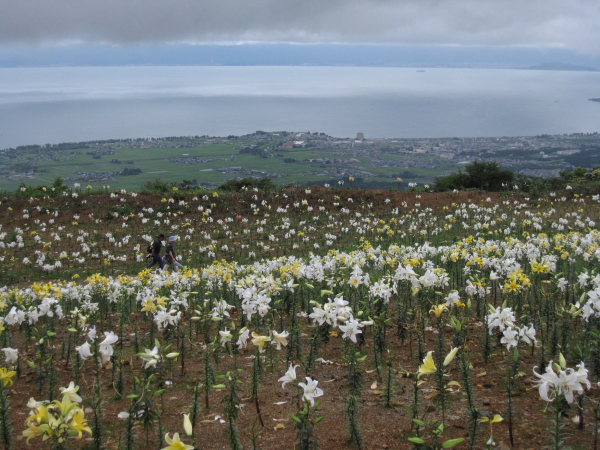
(6, 376)
(260, 341)
(79, 424)
(149, 306)
(438, 310)
(57, 420)
(41, 416)
(175, 443)
(32, 432)
(428, 366)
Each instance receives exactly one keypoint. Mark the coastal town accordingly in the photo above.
(293, 157)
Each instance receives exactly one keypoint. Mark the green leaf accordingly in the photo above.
(295, 418)
(419, 422)
(452, 442)
(416, 440)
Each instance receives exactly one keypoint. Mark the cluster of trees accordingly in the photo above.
(489, 176)
(581, 175)
(128, 171)
(480, 175)
(256, 151)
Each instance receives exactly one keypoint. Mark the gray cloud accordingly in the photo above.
(555, 23)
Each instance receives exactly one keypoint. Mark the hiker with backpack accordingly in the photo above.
(154, 249)
(171, 257)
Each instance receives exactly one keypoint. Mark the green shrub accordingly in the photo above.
(157, 186)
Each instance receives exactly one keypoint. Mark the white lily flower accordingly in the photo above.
(242, 341)
(289, 377)
(11, 355)
(311, 390)
(71, 392)
(527, 335)
(351, 329)
(226, 336)
(105, 348)
(566, 382)
(280, 339)
(151, 357)
(84, 351)
(510, 338)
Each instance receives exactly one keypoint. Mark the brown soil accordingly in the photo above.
(382, 428)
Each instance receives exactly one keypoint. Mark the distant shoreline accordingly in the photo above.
(67, 145)
(594, 99)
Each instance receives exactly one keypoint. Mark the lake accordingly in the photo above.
(65, 104)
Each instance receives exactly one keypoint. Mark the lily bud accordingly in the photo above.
(497, 418)
(450, 356)
(187, 425)
(562, 361)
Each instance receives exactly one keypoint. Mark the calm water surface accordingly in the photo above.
(51, 105)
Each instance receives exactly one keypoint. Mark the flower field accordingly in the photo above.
(303, 318)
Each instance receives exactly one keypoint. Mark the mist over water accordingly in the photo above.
(52, 105)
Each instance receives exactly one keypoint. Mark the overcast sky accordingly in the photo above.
(571, 24)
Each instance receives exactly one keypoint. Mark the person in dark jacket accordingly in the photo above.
(171, 256)
(156, 247)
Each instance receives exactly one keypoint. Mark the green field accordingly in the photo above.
(288, 158)
(205, 163)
